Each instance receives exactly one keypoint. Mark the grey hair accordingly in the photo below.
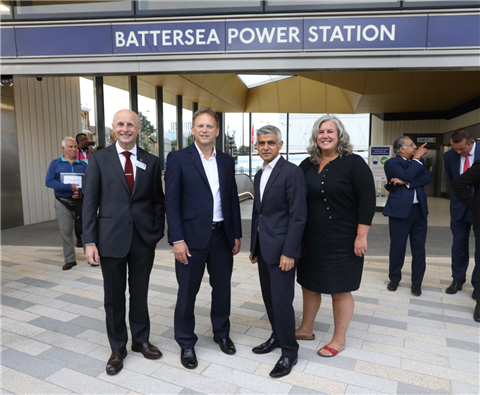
(399, 143)
(344, 147)
(270, 129)
(64, 144)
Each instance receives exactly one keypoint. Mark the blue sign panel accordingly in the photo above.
(169, 37)
(365, 33)
(265, 35)
(380, 150)
(64, 40)
(7, 43)
(454, 31)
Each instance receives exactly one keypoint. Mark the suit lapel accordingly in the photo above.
(117, 166)
(195, 157)
(273, 176)
(141, 157)
(456, 165)
(221, 173)
(256, 190)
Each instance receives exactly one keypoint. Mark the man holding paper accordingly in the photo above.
(65, 176)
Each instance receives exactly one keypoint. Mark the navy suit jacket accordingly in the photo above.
(400, 200)
(280, 218)
(463, 186)
(189, 200)
(106, 191)
(451, 161)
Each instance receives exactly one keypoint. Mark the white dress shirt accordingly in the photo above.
(123, 158)
(211, 170)
(266, 172)
(471, 158)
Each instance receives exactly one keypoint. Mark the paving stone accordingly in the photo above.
(89, 323)
(28, 364)
(14, 302)
(57, 326)
(87, 302)
(17, 382)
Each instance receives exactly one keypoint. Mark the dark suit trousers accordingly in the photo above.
(139, 261)
(415, 226)
(278, 291)
(219, 260)
(460, 250)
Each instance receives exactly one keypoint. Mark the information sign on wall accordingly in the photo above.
(377, 157)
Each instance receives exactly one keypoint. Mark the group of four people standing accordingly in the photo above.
(124, 211)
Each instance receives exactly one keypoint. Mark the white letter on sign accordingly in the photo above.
(119, 39)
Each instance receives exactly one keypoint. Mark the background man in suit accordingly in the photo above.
(204, 226)
(124, 183)
(407, 211)
(278, 219)
(462, 186)
(456, 161)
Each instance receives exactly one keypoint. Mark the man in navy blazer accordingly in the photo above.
(123, 219)
(278, 220)
(204, 226)
(464, 152)
(407, 210)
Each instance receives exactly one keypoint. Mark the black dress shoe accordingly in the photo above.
(188, 358)
(148, 350)
(476, 313)
(416, 290)
(392, 286)
(453, 288)
(115, 362)
(266, 347)
(283, 367)
(474, 293)
(226, 345)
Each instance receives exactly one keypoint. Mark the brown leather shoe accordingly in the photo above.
(115, 363)
(148, 350)
(69, 265)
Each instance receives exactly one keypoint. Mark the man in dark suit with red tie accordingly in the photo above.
(204, 227)
(463, 186)
(407, 210)
(464, 152)
(278, 219)
(124, 185)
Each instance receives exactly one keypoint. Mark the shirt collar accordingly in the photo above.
(120, 149)
(214, 155)
(64, 160)
(273, 162)
(472, 151)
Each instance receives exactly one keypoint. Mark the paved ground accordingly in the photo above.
(54, 340)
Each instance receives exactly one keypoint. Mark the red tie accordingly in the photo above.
(466, 165)
(128, 170)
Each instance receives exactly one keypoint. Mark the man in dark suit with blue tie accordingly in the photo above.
(278, 220)
(407, 210)
(204, 226)
(123, 219)
(464, 152)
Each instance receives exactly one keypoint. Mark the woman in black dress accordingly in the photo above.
(341, 206)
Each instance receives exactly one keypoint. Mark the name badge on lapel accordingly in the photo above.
(141, 165)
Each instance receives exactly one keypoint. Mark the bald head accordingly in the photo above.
(126, 126)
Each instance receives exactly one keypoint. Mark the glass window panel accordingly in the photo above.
(237, 127)
(187, 115)
(437, 3)
(300, 132)
(148, 117)
(116, 97)
(87, 103)
(273, 5)
(72, 9)
(169, 123)
(195, 7)
(5, 10)
(262, 119)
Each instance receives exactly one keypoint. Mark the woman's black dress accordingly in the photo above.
(338, 199)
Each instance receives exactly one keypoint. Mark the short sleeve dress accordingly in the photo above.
(338, 199)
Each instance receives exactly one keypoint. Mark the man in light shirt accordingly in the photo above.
(204, 227)
(278, 220)
(464, 152)
(407, 210)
